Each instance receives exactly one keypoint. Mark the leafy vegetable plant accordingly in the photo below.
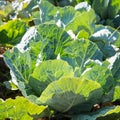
(67, 62)
(21, 109)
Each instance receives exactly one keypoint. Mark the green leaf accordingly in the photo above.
(47, 12)
(27, 91)
(115, 66)
(82, 22)
(116, 21)
(31, 35)
(25, 8)
(5, 10)
(47, 72)
(36, 17)
(19, 63)
(105, 37)
(21, 66)
(101, 7)
(30, 5)
(114, 8)
(106, 34)
(98, 55)
(83, 34)
(77, 95)
(101, 74)
(80, 51)
(65, 16)
(112, 114)
(53, 40)
(10, 85)
(83, 6)
(12, 32)
(116, 94)
(21, 108)
(106, 113)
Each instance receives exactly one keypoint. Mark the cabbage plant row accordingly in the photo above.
(66, 62)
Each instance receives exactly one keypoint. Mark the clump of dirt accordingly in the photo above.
(102, 105)
(2, 50)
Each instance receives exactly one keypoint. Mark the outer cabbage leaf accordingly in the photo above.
(112, 114)
(98, 55)
(101, 74)
(116, 21)
(12, 32)
(79, 51)
(106, 113)
(115, 66)
(29, 5)
(19, 63)
(114, 8)
(64, 16)
(82, 21)
(77, 95)
(82, 34)
(29, 36)
(21, 108)
(101, 7)
(106, 34)
(116, 94)
(47, 72)
(36, 17)
(5, 10)
(105, 37)
(21, 67)
(47, 12)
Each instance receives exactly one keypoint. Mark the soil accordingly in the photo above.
(4, 70)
